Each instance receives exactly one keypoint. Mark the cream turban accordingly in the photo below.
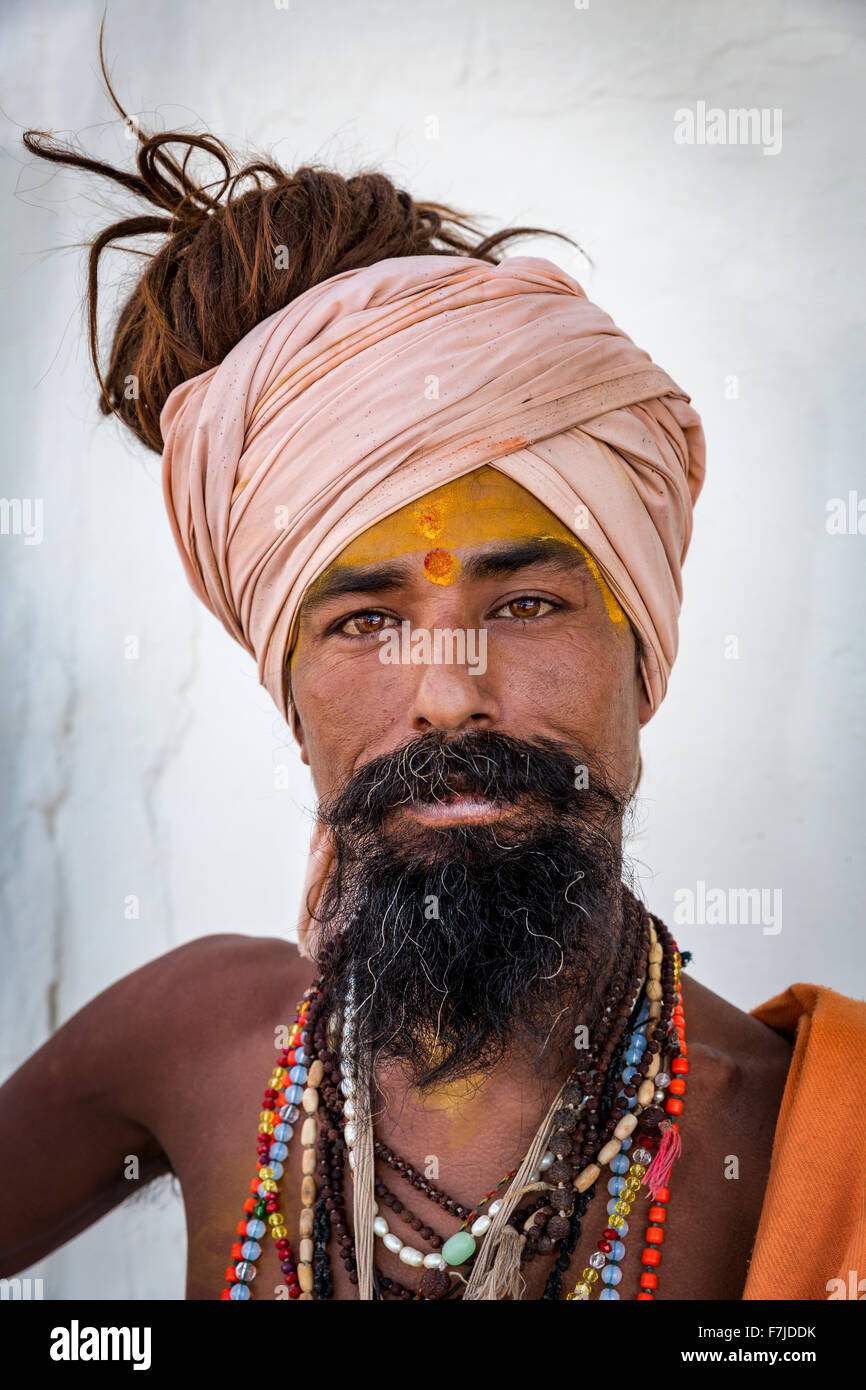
(380, 384)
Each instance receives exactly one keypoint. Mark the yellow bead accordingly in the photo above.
(623, 1208)
(275, 1218)
(616, 1222)
(269, 1185)
(266, 1118)
(279, 1232)
(632, 1184)
(569, 1297)
(265, 1173)
(637, 1170)
(581, 1290)
(589, 1275)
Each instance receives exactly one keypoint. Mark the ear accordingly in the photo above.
(644, 709)
(298, 732)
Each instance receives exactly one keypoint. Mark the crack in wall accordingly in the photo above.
(52, 811)
(154, 773)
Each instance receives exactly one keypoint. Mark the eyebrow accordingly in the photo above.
(488, 564)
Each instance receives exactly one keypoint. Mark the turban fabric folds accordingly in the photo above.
(380, 384)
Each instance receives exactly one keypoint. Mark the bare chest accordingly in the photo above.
(716, 1193)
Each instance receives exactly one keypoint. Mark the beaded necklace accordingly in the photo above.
(562, 1183)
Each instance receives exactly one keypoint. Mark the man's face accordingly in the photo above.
(479, 555)
(475, 805)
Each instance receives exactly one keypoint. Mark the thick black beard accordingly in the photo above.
(469, 941)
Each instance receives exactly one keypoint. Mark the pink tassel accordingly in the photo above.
(657, 1175)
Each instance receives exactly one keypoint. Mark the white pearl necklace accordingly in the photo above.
(408, 1254)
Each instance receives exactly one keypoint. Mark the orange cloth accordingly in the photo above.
(813, 1221)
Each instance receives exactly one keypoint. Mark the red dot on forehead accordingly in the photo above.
(441, 567)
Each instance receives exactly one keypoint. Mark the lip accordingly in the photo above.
(462, 808)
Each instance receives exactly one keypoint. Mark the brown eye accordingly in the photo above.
(527, 607)
(363, 624)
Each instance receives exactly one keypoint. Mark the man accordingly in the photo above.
(434, 445)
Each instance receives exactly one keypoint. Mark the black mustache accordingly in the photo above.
(486, 763)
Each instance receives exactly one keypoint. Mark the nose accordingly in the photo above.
(452, 700)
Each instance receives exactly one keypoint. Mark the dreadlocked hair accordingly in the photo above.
(236, 249)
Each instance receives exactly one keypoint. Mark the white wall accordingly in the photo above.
(156, 777)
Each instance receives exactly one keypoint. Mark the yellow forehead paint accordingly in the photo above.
(473, 510)
(614, 612)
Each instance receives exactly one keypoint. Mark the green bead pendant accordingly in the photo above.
(458, 1248)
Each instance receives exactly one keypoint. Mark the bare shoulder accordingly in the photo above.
(176, 1001)
(196, 988)
(738, 1046)
(224, 955)
(188, 1009)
